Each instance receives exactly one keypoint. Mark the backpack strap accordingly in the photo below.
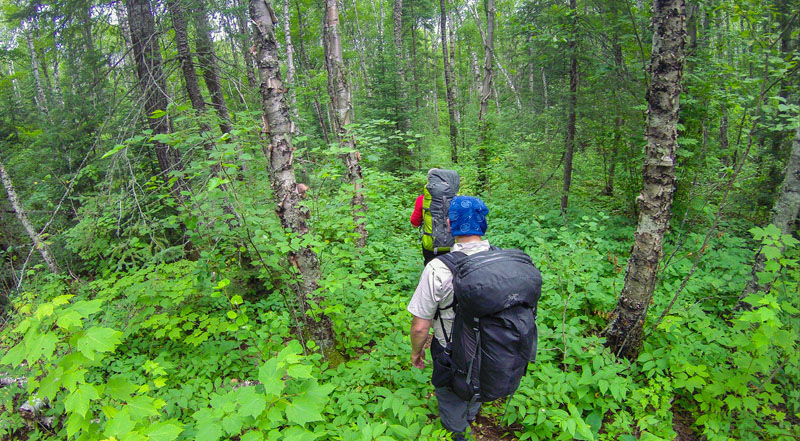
(451, 260)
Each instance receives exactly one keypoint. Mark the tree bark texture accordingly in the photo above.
(208, 65)
(485, 93)
(624, 331)
(405, 121)
(784, 213)
(338, 90)
(19, 210)
(185, 55)
(291, 71)
(147, 54)
(448, 81)
(280, 152)
(244, 41)
(572, 107)
(40, 98)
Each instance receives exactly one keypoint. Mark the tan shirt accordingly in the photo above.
(435, 290)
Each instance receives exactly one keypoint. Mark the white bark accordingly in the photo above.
(19, 210)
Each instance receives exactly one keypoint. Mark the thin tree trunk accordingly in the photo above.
(185, 56)
(405, 121)
(414, 55)
(485, 93)
(544, 90)
(59, 98)
(208, 65)
(435, 90)
(624, 331)
(509, 81)
(40, 98)
(244, 30)
(362, 49)
(448, 81)
(572, 107)
(14, 84)
(291, 71)
(306, 65)
(19, 210)
(619, 69)
(784, 216)
(723, 136)
(147, 54)
(278, 127)
(453, 76)
(338, 90)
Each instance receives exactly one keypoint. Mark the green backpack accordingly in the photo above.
(442, 187)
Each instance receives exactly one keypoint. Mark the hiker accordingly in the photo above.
(430, 212)
(506, 312)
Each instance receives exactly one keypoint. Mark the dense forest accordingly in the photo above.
(205, 226)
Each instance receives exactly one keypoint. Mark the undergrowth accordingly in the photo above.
(205, 348)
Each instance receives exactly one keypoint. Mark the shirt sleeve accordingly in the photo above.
(416, 216)
(423, 303)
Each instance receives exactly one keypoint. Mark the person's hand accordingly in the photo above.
(418, 359)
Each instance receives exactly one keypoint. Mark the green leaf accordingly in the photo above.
(252, 435)
(15, 355)
(208, 430)
(216, 182)
(298, 434)
(43, 345)
(51, 384)
(165, 431)
(300, 371)
(78, 401)
(86, 308)
(69, 319)
(97, 339)
(120, 425)
(270, 376)
(116, 148)
(308, 405)
(142, 407)
(251, 403)
(232, 424)
(120, 388)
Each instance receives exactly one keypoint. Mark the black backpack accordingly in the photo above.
(442, 187)
(494, 333)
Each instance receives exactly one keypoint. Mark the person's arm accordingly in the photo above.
(416, 216)
(420, 328)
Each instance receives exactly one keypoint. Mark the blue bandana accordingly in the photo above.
(467, 216)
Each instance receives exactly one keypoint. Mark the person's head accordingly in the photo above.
(467, 218)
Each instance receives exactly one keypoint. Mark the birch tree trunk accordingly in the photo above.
(624, 331)
(208, 65)
(19, 210)
(291, 71)
(405, 121)
(147, 55)
(448, 81)
(40, 98)
(338, 90)
(784, 215)
(280, 152)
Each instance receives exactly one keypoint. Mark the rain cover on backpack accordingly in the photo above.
(494, 331)
(442, 187)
